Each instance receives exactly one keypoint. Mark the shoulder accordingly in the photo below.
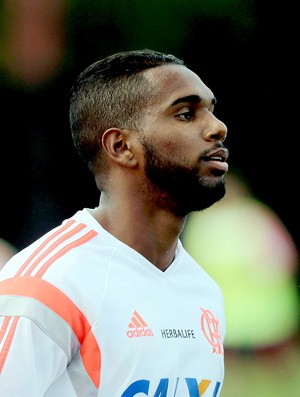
(68, 264)
(194, 265)
(196, 276)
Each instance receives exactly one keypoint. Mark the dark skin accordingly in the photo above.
(179, 123)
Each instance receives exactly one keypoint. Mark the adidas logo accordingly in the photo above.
(138, 327)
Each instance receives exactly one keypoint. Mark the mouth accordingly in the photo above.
(217, 155)
(217, 160)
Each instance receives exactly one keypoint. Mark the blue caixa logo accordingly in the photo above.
(206, 388)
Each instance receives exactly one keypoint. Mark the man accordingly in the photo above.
(109, 303)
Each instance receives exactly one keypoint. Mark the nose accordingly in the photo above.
(217, 130)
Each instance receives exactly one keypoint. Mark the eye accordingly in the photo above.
(186, 115)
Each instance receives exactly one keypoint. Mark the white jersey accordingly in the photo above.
(83, 315)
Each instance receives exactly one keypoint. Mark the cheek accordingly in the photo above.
(170, 146)
(178, 154)
(183, 150)
(174, 144)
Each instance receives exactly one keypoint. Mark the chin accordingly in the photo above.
(201, 201)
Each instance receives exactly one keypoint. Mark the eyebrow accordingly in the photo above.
(192, 99)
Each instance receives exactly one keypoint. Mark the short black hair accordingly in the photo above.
(111, 93)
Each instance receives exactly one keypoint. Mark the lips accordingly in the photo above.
(218, 155)
(217, 160)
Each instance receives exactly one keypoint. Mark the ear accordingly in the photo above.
(116, 143)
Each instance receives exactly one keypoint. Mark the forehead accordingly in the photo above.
(175, 81)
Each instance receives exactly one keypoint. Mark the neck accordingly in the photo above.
(150, 231)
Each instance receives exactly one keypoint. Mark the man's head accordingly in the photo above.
(111, 92)
(149, 118)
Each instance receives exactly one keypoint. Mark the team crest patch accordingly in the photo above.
(211, 329)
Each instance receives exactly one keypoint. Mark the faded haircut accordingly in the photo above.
(111, 92)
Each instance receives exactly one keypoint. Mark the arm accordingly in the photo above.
(30, 361)
(36, 340)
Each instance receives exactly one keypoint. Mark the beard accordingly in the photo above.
(186, 191)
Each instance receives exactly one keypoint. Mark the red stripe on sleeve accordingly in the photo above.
(56, 243)
(88, 236)
(6, 346)
(4, 327)
(51, 237)
(59, 303)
